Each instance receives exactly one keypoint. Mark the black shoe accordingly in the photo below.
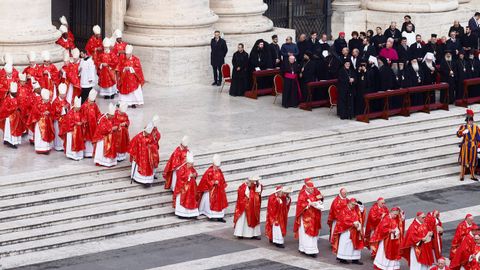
(474, 179)
(214, 83)
(280, 245)
(239, 237)
(257, 238)
(221, 220)
(219, 84)
(155, 176)
(106, 97)
(15, 147)
(461, 178)
(343, 261)
(5, 142)
(311, 255)
(134, 106)
(357, 262)
(112, 96)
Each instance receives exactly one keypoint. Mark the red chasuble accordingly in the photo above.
(250, 205)
(50, 78)
(68, 43)
(345, 219)
(186, 187)
(312, 217)
(122, 138)
(42, 114)
(73, 122)
(94, 47)
(57, 107)
(337, 205)
(384, 231)
(277, 214)
(143, 152)
(129, 81)
(432, 223)
(461, 231)
(24, 99)
(374, 217)
(217, 195)
(423, 251)
(467, 247)
(177, 159)
(10, 109)
(33, 72)
(106, 74)
(90, 115)
(104, 131)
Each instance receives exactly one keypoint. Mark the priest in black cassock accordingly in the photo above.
(413, 76)
(387, 79)
(308, 73)
(292, 94)
(361, 87)
(346, 88)
(260, 59)
(240, 72)
(430, 72)
(434, 47)
(475, 91)
(448, 74)
(333, 64)
(464, 71)
(372, 83)
(417, 49)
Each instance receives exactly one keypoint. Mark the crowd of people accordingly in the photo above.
(366, 63)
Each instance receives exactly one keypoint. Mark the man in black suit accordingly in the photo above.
(217, 57)
(417, 50)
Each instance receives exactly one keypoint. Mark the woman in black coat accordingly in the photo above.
(240, 72)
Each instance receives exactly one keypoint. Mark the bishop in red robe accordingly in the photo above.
(417, 248)
(435, 225)
(50, 75)
(347, 240)
(64, 22)
(41, 118)
(277, 216)
(121, 135)
(90, 115)
(386, 240)
(176, 160)
(70, 75)
(60, 107)
(11, 118)
(308, 218)
(441, 265)
(65, 40)
(33, 71)
(130, 79)
(337, 205)
(466, 256)
(211, 190)
(94, 45)
(247, 210)
(105, 150)
(144, 156)
(106, 64)
(24, 97)
(375, 215)
(72, 130)
(462, 230)
(185, 195)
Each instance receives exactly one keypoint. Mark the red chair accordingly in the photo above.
(333, 96)
(277, 86)
(226, 74)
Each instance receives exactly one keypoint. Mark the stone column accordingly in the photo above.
(114, 12)
(172, 38)
(241, 17)
(25, 26)
(347, 16)
(408, 6)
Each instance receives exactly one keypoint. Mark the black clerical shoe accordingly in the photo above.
(474, 179)
(214, 83)
(219, 84)
(280, 245)
(257, 238)
(357, 262)
(343, 261)
(311, 255)
(134, 106)
(461, 178)
(221, 220)
(5, 142)
(106, 97)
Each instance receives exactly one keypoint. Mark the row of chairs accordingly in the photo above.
(277, 85)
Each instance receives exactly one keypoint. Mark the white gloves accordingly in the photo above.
(465, 132)
(132, 70)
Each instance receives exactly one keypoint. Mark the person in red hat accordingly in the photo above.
(376, 214)
(337, 205)
(470, 134)
(308, 218)
(347, 240)
(277, 216)
(417, 248)
(441, 265)
(467, 256)
(435, 225)
(386, 241)
(462, 230)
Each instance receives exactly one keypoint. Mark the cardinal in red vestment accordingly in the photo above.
(24, 97)
(277, 216)
(176, 160)
(72, 130)
(144, 156)
(64, 40)
(70, 75)
(11, 119)
(466, 256)
(94, 45)
(308, 218)
(347, 240)
(60, 107)
(122, 138)
(211, 190)
(41, 118)
(462, 230)
(35, 98)
(386, 240)
(90, 115)
(8, 60)
(185, 199)
(107, 62)
(155, 134)
(435, 225)
(337, 205)
(130, 79)
(50, 75)
(6, 80)
(375, 215)
(119, 46)
(441, 265)
(104, 139)
(417, 248)
(64, 22)
(247, 210)
(33, 71)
